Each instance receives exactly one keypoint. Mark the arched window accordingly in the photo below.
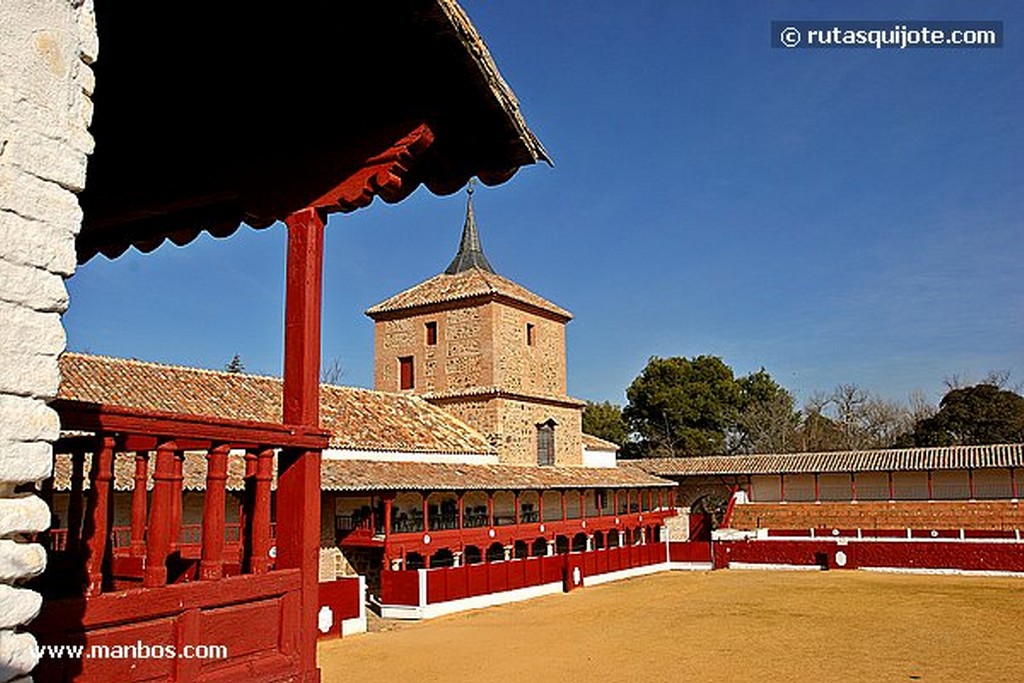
(546, 442)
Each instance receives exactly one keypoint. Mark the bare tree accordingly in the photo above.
(332, 371)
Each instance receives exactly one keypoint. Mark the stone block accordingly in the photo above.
(33, 243)
(32, 287)
(27, 419)
(20, 560)
(27, 331)
(38, 199)
(24, 462)
(19, 654)
(18, 605)
(23, 514)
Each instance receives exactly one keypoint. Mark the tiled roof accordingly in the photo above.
(358, 419)
(193, 472)
(500, 392)
(370, 475)
(366, 475)
(595, 444)
(468, 284)
(896, 460)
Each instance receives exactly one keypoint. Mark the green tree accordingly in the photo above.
(604, 420)
(982, 414)
(678, 406)
(767, 420)
(235, 364)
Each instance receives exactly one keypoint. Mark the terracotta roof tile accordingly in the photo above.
(596, 444)
(897, 460)
(468, 284)
(371, 475)
(358, 419)
(366, 475)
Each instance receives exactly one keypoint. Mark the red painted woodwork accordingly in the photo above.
(344, 599)
(177, 482)
(689, 551)
(298, 481)
(304, 286)
(75, 501)
(381, 175)
(400, 587)
(456, 583)
(259, 561)
(211, 568)
(139, 493)
(911, 554)
(158, 536)
(397, 543)
(203, 613)
(203, 431)
(99, 514)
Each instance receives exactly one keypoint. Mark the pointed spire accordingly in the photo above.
(471, 253)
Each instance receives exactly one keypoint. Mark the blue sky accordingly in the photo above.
(831, 215)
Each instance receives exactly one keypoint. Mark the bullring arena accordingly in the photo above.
(733, 625)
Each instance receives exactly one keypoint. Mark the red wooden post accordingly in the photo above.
(892, 488)
(853, 486)
(930, 496)
(75, 500)
(95, 534)
(211, 566)
(139, 504)
(298, 481)
(970, 482)
(615, 501)
(490, 509)
(389, 499)
(515, 503)
(672, 497)
(817, 489)
(426, 509)
(462, 508)
(246, 508)
(583, 504)
(565, 510)
(1013, 482)
(259, 563)
(158, 535)
(661, 499)
(782, 488)
(179, 467)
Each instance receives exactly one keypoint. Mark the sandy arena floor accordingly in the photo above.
(714, 626)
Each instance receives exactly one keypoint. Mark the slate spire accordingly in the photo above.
(471, 253)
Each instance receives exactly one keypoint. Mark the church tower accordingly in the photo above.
(488, 351)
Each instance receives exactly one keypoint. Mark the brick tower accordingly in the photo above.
(487, 350)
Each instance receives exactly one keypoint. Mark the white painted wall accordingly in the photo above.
(598, 458)
(410, 456)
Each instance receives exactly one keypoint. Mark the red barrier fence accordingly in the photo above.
(455, 583)
(691, 551)
(400, 588)
(854, 553)
(342, 596)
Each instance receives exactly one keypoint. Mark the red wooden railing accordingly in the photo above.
(160, 580)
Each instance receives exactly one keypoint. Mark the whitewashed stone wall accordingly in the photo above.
(46, 47)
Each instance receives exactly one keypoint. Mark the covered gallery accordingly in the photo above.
(274, 113)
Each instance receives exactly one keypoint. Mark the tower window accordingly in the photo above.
(529, 334)
(546, 443)
(405, 372)
(431, 329)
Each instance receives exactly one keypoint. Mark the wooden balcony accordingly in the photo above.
(160, 581)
